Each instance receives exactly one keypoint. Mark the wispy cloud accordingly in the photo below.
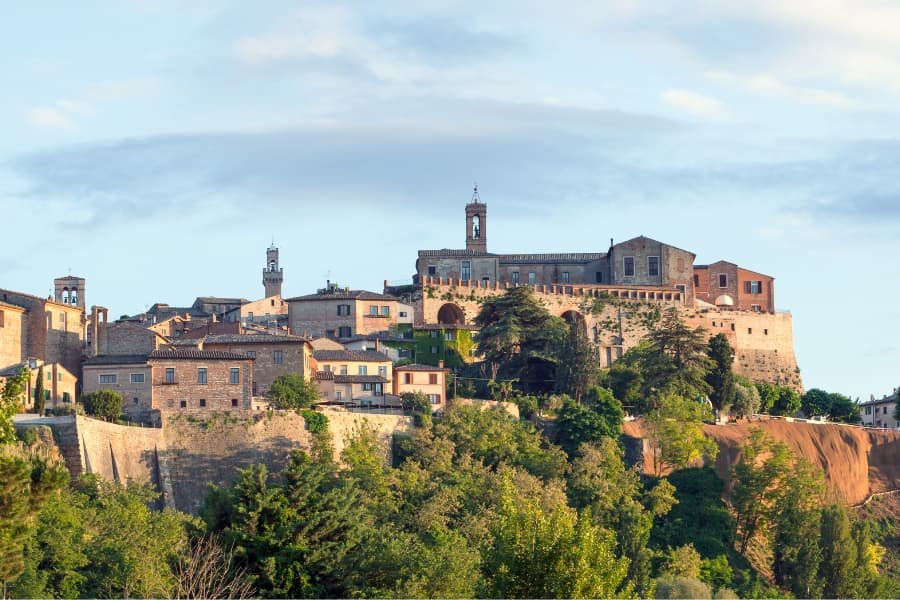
(696, 104)
(771, 85)
(124, 89)
(58, 116)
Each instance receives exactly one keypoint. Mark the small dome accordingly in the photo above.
(724, 300)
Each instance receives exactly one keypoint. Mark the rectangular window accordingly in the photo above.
(234, 403)
(201, 375)
(183, 404)
(531, 278)
(756, 287)
(681, 288)
(868, 410)
(344, 332)
(343, 310)
(756, 308)
(434, 349)
(385, 311)
(49, 376)
(653, 266)
(343, 369)
(465, 271)
(723, 280)
(433, 333)
(109, 378)
(373, 310)
(170, 375)
(137, 378)
(382, 371)
(628, 266)
(1, 318)
(432, 270)
(407, 378)
(448, 335)
(515, 277)
(402, 314)
(367, 387)
(338, 395)
(598, 276)
(432, 378)
(696, 281)
(278, 357)
(363, 370)
(249, 316)
(235, 376)
(202, 403)
(59, 376)
(434, 398)
(328, 368)
(565, 277)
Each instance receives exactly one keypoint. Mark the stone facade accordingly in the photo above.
(179, 384)
(271, 310)
(727, 285)
(128, 338)
(273, 275)
(13, 335)
(128, 375)
(880, 412)
(273, 355)
(341, 313)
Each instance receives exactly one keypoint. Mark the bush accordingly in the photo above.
(293, 391)
(316, 422)
(103, 404)
(64, 410)
(681, 587)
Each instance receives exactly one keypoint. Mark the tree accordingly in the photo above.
(103, 404)
(768, 396)
(721, 376)
(682, 587)
(550, 552)
(675, 431)
(843, 409)
(39, 392)
(625, 381)
(10, 400)
(677, 362)
(577, 424)
(746, 399)
(787, 402)
(578, 367)
(839, 560)
(292, 391)
(816, 402)
(519, 338)
(419, 405)
(207, 571)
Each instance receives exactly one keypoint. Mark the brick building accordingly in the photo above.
(341, 313)
(273, 355)
(127, 374)
(726, 285)
(59, 383)
(13, 323)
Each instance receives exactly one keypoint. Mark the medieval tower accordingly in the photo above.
(476, 224)
(273, 275)
(69, 290)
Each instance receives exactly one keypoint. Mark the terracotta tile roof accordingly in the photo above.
(116, 359)
(197, 355)
(344, 295)
(417, 367)
(8, 305)
(253, 338)
(359, 356)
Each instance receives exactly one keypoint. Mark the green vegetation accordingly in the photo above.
(103, 404)
(316, 422)
(10, 400)
(292, 391)
(39, 392)
(837, 407)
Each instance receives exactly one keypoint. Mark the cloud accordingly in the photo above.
(695, 104)
(770, 85)
(124, 89)
(58, 116)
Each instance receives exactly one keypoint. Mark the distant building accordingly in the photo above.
(59, 383)
(880, 412)
(341, 313)
(427, 379)
(355, 378)
(273, 275)
(726, 285)
(274, 355)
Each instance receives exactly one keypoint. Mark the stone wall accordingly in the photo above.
(12, 336)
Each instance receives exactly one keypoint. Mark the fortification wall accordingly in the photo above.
(618, 318)
(343, 424)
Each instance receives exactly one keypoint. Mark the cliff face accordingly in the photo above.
(856, 462)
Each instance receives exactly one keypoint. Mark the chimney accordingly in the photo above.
(376, 345)
(440, 364)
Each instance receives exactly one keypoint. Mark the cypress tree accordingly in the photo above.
(39, 392)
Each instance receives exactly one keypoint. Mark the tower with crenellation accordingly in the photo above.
(273, 275)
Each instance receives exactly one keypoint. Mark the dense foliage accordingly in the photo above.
(103, 404)
(293, 391)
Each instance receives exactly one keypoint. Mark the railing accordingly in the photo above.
(582, 290)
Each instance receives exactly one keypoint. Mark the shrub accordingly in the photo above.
(103, 404)
(316, 422)
(681, 587)
(293, 391)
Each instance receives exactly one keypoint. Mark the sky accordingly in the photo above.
(157, 148)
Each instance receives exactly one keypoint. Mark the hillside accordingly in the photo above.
(856, 462)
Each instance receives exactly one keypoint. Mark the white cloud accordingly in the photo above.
(124, 89)
(771, 85)
(58, 116)
(695, 104)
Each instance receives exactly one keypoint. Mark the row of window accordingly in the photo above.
(362, 370)
(628, 266)
(341, 332)
(343, 310)
(113, 378)
(432, 378)
(884, 410)
(186, 403)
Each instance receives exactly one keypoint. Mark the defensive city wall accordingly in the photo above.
(616, 318)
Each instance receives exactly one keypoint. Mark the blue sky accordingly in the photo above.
(156, 148)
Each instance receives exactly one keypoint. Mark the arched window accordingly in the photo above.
(73, 297)
(272, 266)
(476, 227)
(65, 296)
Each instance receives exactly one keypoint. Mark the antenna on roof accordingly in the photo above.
(475, 197)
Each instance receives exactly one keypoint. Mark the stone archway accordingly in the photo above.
(575, 318)
(451, 314)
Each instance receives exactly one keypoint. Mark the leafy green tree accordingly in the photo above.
(419, 405)
(682, 587)
(843, 409)
(39, 392)
(675, 431)
(519, 338)
(10, 399)
(292, 391)
(721, 377)
(683, 561)
(577, 424)
(838, 554)
(768, 396)
(795, 536)
(540, 552)
(677, 362)
(816, 402)
(787, 403)
(716, 572)
(747, 401)
(626, 382)
(578, 368)
(103, 404)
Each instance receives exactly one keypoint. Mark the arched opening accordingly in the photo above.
(65, 296)
(451, 314)
(73, 297)
(272, 266)
(575, 318)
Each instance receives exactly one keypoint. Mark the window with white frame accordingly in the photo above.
(108, 378)
(137, 378)
(531, 278)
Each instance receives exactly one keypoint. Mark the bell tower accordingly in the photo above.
(476, 223)
(69, 290)
(273, 275)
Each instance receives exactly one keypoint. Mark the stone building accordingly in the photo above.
(355, 390)
(880, 412)
(129, 375)
(59, 383)
(341, 313)
(347, 362)
(271, 311)
(273, 275)
(726, 285)
(427, 379)
(273, 355)
(13, 340)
